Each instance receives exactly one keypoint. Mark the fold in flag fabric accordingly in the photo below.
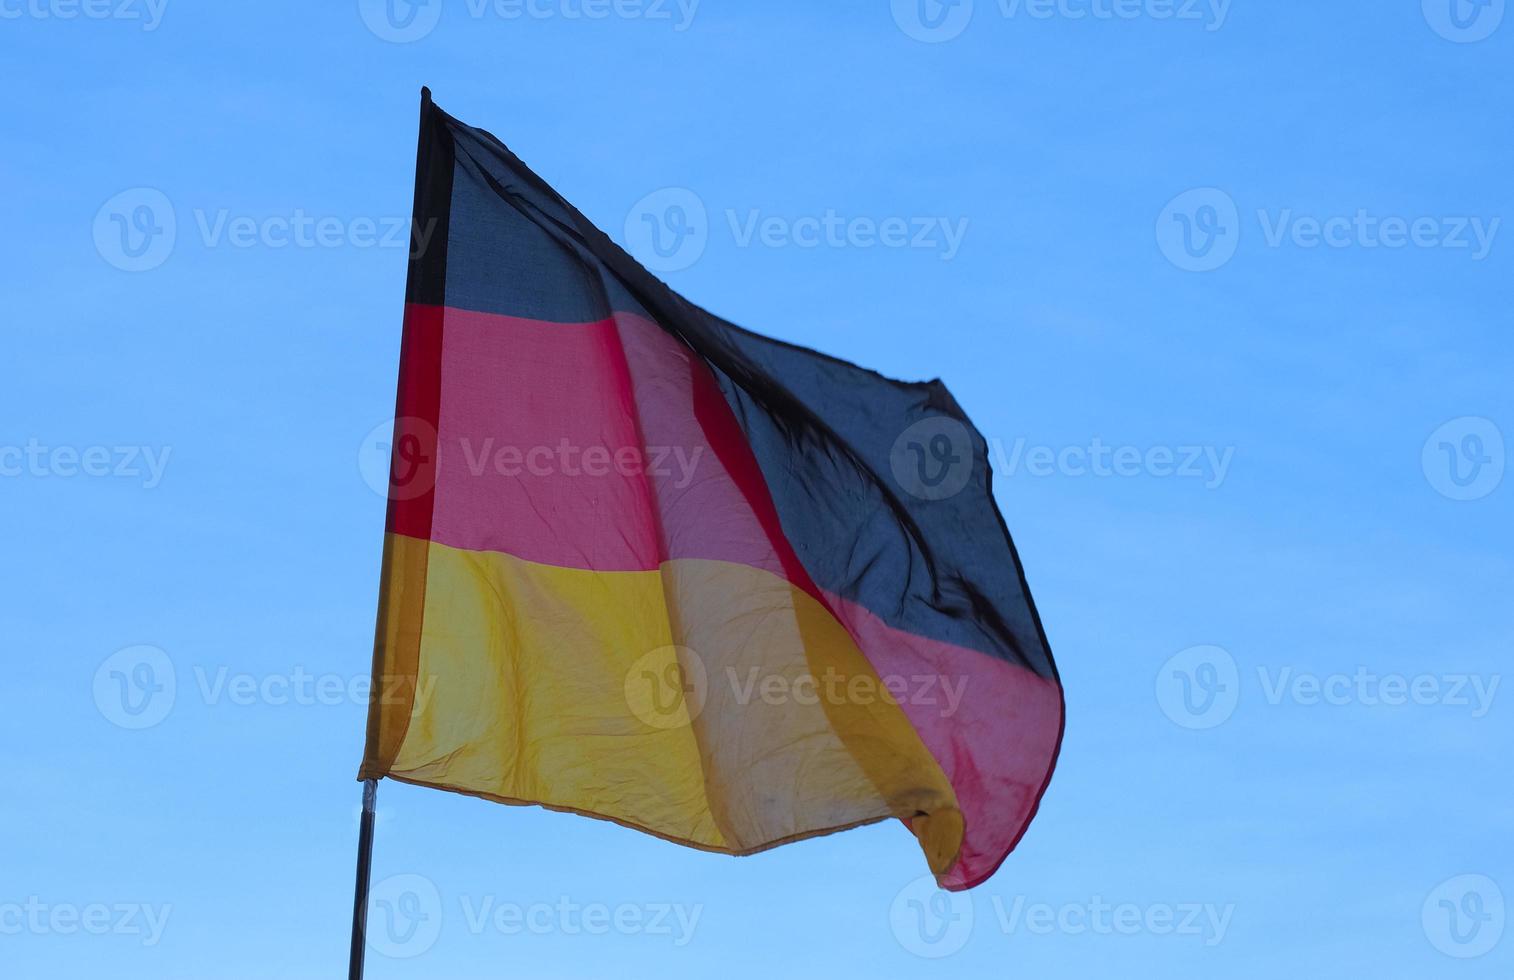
(647, 566)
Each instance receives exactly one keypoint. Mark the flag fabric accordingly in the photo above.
(644, 565)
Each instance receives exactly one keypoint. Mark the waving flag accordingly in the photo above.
(644, 565)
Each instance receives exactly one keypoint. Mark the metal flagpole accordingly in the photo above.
(364, 874)
(370, 786)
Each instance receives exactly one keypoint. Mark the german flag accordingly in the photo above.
(646, 566)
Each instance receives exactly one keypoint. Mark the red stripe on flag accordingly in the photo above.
(604, 446)
(413, 464)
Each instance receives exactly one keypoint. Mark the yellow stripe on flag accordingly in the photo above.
(710, 703)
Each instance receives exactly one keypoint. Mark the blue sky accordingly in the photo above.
(1225, 283)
